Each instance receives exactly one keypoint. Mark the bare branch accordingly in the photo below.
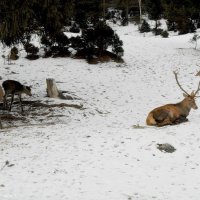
(176, 77)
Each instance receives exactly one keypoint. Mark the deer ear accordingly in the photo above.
(185, 95)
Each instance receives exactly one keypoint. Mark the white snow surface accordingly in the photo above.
(95, 153)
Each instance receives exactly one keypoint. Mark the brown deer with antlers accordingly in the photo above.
(171, 114)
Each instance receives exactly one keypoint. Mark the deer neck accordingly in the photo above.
(184, 108)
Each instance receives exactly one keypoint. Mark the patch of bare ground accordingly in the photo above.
(36, 111)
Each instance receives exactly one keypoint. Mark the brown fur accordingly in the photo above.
(1, 94)
(172, 113)
(14, 87)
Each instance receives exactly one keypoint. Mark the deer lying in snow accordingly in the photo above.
(173, 113)
(14, 87)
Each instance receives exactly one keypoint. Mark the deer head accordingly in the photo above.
(189, 99)
(27, 90)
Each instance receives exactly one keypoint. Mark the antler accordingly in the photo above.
(198, 89)
(176, 77)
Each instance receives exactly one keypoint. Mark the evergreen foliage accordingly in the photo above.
(14, 53)
(74, 28)
(182, 15)
(87, 11)
(154, 9)
(165, 34)
(145, 27)
(100, 37)
(31, 51)
(21, 18)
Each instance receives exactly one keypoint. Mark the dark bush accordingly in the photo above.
(171, 25)
(97, 39)
(165, 34)
(45, 40)
(124, 21)
(117, 46)
(31, 51)
(75, 28)
(145, 27)
(58, 51)
(14, 53)
(185, 26)
(32, 57)
(56, 45)
(100, 36)
(157, 31)
(77, 43)
(61, 39)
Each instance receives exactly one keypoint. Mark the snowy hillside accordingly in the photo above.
(95, 153)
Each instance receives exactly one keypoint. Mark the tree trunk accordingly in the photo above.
(104, 9)
(127, 9)
(140, 7)
(156, 27)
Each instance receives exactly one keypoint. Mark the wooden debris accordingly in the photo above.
(53, 92)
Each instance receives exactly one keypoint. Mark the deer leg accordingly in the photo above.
(5, 105)
(181, 119)
(165, 122)
(20, 100)
(12, 98)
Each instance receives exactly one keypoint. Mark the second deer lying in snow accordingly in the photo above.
(173, 113)
(12, 87)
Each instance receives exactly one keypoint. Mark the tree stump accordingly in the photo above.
(52, 90)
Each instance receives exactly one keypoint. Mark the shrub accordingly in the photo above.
(145, 27)
(57, 51)
(56, 45)
(117, 46)
(31, 51)
(157, 31)
(124, 21)
(77, 43)
(185, 26)
(171, 25)
(14, 53)
(61, 39)
(75, 28)
(45, 40)
(165, 34)
(101, 36)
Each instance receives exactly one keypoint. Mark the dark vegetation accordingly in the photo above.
(183, 16)
(49, 19)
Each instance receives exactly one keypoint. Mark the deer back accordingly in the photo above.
(11, 86)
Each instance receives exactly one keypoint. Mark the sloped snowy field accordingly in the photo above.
(95, 153)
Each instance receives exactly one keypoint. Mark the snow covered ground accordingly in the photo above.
(95, 153)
